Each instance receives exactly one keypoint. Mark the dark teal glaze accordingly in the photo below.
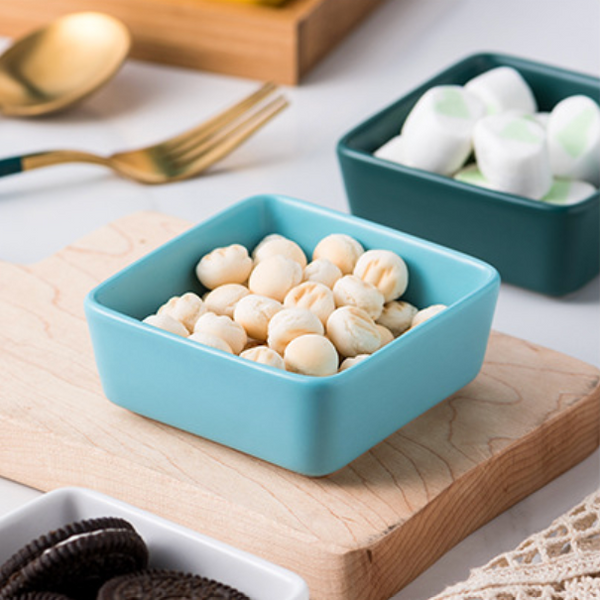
(547, 248)
(9, 166)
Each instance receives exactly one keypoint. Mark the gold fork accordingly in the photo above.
(177, 158)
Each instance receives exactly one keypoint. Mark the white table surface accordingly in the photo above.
(400, 45)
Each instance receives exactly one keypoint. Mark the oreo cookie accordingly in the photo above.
(163, 584)
(42, 596)
(74, 560)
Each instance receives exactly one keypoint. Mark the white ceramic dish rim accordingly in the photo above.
(171, 545)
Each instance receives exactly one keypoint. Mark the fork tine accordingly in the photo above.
(207, 128)
(204, 155)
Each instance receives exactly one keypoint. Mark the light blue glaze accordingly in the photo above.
(306, 424)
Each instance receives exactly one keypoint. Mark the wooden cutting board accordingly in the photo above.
(359, 534)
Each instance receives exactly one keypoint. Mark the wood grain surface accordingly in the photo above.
(261, 42)
(359, 534)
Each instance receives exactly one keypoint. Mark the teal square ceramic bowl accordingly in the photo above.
(311, 425)
(548, 248)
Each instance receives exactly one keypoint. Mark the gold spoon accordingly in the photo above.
(61, 63)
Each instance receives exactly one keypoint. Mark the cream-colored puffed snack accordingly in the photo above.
(265, 356)
(291, 323)
(278, 244)
(274, 277)
(311, 354)
(385, 270)
(397, 316)
(223, 299)
(209, 339)
(341, 249)
(352, 331)
(322, 271)
(352, 360)
(427, 313)
(267, 238)
(225, 328)
(186, 309)
(229, 264)
(168, 323)
(253, 313)
(314, 296)
(386, 335)
(351, 290)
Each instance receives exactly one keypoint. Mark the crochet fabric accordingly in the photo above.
(560, 563)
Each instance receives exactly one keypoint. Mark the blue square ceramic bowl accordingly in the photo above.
(310, 425)
(548, 248)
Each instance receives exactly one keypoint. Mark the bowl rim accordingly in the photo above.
(344, 147)
(489, 278)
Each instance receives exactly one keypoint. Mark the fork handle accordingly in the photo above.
(27, 162)
(9, 166)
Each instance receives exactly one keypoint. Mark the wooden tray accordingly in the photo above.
(278, 44)
(359, 534)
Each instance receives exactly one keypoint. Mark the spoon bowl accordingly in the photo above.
(61, 63)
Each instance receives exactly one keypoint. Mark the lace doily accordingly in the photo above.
(560, 563)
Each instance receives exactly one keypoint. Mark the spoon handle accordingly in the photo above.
(11, 165)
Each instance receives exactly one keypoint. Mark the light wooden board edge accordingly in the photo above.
(486, 492)
(278, 44)
(333, 573)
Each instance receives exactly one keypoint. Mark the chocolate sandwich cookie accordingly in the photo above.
(165, 584)
(42, 596)
(74, 560)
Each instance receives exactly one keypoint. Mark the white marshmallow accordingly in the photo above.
(277, 244)
(275, 277)
(230, 264)
(513, 156)
(426, 313)
(323, 271)
(352, 360)
(351, 290)
(437, 133)
(225, 328)
(186, 309)
(208, 339)
(543, 118)
(385, 334)
(290, 323)
(265, 356)
(392, 150)
(311, 354)
(352, 331)
(397, 316)
(168, 323)
(503, 89)
(385, 270)
(568, 191)
(341, 249)
(471, 174)
(254, 312)
(223, 299)
(574, 139)
(314, 296)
